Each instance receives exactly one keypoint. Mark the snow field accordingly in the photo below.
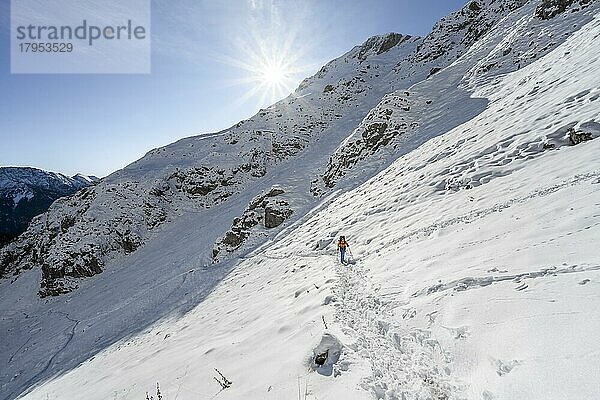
(476, 273)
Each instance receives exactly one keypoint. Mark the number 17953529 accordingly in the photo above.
(36, 47)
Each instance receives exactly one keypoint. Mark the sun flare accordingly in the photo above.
(273, 74)
(270, 70)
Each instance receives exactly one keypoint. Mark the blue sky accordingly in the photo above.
(200, 80)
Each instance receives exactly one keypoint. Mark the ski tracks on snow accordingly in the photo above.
(406, 362)
(70, 333)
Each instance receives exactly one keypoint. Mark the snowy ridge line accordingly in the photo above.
(387, 131)
(79, 242)
(469, 282)
(538, 37)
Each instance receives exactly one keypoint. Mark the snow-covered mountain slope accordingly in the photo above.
(26, 192)
(78, 237)
(476, 237)
(124, 211)
(406, 118)
(486, 290)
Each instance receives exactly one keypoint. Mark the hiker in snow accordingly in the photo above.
(342, 246)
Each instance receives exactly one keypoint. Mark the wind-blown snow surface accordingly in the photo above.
(476, 272)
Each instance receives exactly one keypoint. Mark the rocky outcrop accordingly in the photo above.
(385, 123)
(265, 211)
(549, 9)
(198, 182)
(390, 40)
(579, 136)
(456, 33)
(78, 234)
(381, 44)
(276, 214)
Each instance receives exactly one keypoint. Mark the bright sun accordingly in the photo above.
(273, 74)
(270, 70)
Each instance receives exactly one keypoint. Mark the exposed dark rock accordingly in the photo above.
(267, 209)
(160, 189)
(391, 40)
(374, 133)
(434, 71)
(6, 259)
(548, 146)
(54, 288)
(474, 6)
(276, 215)
(67, 222)
(275, 191)
(381, 44)
(321, 358)
(328, 88)
(128, 242)
(549, 9)
(234, 238)
(577, 137)
(57, 281)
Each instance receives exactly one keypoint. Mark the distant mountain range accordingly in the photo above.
(26, 192)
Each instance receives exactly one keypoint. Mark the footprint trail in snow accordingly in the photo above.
(406, 362)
